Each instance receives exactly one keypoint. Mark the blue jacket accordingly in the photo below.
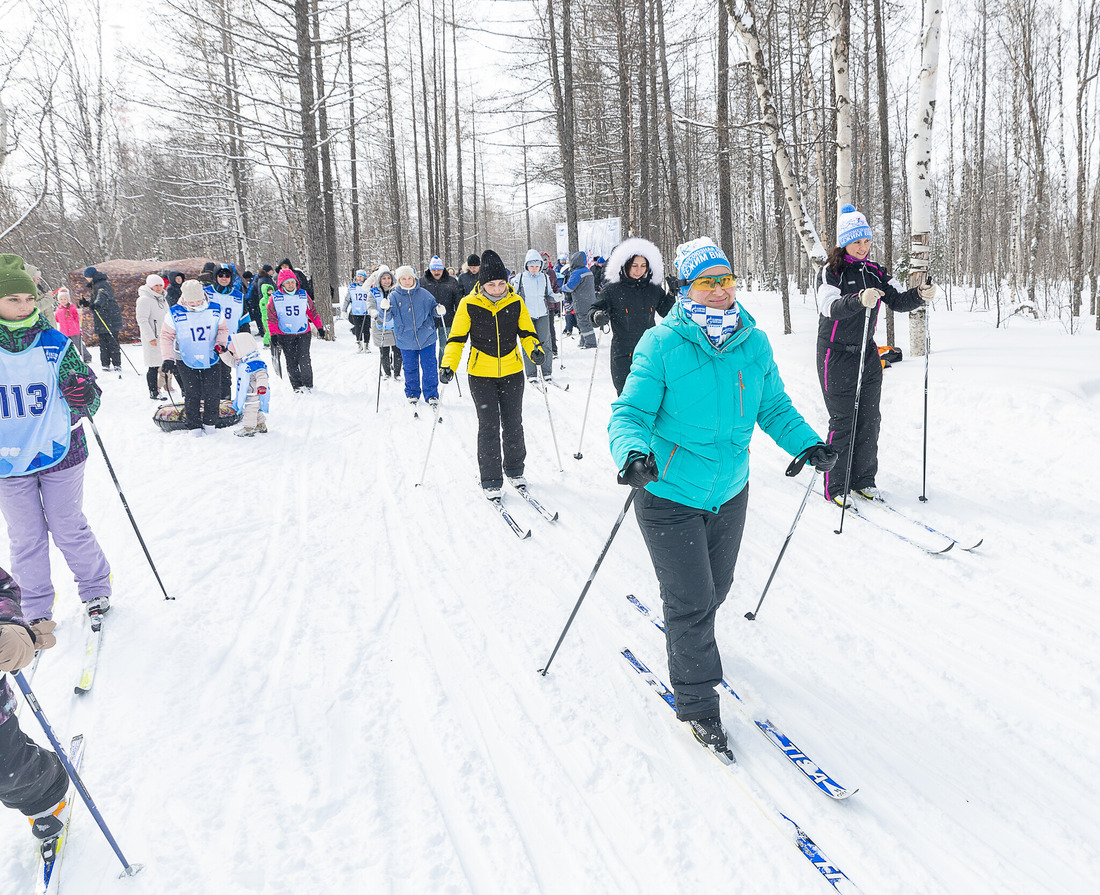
(695, 406)
(413, 314)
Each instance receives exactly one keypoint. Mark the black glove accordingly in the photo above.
(599, 317)
(538, 355)
(639, 471)
(321, 332)
(168, 366)
(84, 303)
(821, 456)
(274, 340)
(79, 390)
(218, 349)
(446, 374)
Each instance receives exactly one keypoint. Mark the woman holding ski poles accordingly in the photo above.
(851, 288)
(680, 432)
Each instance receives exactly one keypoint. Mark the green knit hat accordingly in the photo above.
(14, 277)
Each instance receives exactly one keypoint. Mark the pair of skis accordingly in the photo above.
(47, 878)
(941, 542)
(518, 530)
(822, 781)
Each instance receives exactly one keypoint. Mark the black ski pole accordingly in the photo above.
(855, 420)
(130, 869)
(751, 616)
(120, 351)
(588, 400)
(924, 459)
(118, 488)
(588, 583)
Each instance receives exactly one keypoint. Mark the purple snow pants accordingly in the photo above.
(52, 502)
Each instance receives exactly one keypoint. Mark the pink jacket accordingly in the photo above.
(67, 318)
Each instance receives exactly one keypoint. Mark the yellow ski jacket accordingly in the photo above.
(492, 326)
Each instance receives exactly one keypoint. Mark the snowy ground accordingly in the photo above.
(344, 696)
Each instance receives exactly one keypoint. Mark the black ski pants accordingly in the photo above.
(200, 386)
(359, 327)
(837, 372)
(694, 553)
(499, 403)
(32, 779)
(296, 359)
(620, 369)
(110, 352)
(391, 361)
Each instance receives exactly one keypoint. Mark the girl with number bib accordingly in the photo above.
(290, 311)
(195, 332)
(45, 388)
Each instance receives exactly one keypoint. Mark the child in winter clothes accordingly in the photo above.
(355, 306)
(381, 333)
(67, 318)
(849, 292)
(46, 388)
(415, 317)
(494, 318)
(32, 779)
(195, 332)
(290, 311)
(701, 382)
(252, 395)
(152, 305)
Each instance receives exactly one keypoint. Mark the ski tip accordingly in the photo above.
(554, 518)
(975, 546)
(526, 536)
(943, 551)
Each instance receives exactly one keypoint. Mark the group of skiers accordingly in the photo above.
(690, 391)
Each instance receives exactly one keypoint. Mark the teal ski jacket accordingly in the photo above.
(694, 407)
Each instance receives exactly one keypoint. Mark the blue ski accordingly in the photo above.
(771, 732)
(791, 830)
(50, 852)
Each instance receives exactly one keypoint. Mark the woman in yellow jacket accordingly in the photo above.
(494, 318)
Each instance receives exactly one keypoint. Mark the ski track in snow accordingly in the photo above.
(344, 695)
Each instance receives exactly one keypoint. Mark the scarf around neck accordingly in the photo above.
(718, 324)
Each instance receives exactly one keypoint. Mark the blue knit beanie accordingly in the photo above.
(90, 273)
(850, 226)
(692, 258)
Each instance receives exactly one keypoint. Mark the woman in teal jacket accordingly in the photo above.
(680, 432)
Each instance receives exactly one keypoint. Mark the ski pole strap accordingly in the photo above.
(800, 461)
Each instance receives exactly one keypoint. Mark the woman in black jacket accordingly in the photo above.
(850, 291)
(629, 299)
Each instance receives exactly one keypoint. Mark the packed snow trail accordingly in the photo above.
(345, 692)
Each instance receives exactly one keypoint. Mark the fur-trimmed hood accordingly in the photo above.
(626, 250)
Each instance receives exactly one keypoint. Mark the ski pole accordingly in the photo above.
(855, 420)
(125, 505)
(751, 616)
(381, 348)
(588, 400)
(130, 869)
(546, 398)
(588, 583)
(120, 351)
(924, 459)
(431, 438)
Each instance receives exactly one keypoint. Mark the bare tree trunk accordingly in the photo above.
(725, 198)
(644, 186)
(840, 16)
(1086, 30)
(781, 243)
(396, 203)
(884, 157)
(356, 247)
(744, 18)
(459, 206)
(416, 166)
(433, 199)
(674, 183)
(921, 172)
(563, 106)
(625, 70)
(324, 268)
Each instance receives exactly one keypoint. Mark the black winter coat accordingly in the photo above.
(106, 315)
(631, 305)
(467, 281)
(446, 291)
(841, 322)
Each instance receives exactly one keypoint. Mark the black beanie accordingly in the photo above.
(492, 268)
(473, 261)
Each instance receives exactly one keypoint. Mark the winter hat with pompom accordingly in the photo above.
(14, 278)
(436, 263)
(850, 226)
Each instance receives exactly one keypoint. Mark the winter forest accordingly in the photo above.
(354, 133)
